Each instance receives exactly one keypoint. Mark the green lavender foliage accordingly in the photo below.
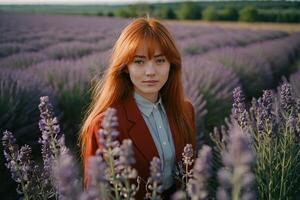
(273, 122)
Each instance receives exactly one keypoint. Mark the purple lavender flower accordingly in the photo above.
(111, 148)
(263, 111)
(179, 195)
(286, 98)
(155, 181)
(108, 133)
(98, 185)
(187, 158)
(52, 140)
(118, 158)
(126, 157)
(22, 168)
(125, 171)
(65, 173)
(239, 111)
(201, 172)
(235, 178)
(11, 154)
(97, 168)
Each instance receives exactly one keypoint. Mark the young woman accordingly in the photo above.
(143, 83)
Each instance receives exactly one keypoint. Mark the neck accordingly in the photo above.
(153, 97)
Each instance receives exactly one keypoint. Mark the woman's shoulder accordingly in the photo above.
(118, 109)
(119, 113)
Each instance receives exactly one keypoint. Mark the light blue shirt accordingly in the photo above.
(156, 119)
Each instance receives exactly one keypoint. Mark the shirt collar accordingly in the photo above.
(147, 106)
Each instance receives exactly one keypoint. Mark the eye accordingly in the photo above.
(139, 61)
(161, 60)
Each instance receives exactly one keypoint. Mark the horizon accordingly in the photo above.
(81, 2)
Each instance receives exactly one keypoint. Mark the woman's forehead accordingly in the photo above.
(146, 49)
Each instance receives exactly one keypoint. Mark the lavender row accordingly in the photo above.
(51, 33)
(260, 65)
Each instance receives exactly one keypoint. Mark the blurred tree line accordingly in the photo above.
(196, 11)
(219, 10)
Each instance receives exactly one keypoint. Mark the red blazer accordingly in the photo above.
(133, 126)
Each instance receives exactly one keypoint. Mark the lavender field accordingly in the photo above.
(223, 69)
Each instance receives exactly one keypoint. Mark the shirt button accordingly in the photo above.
(159, 127)
(164, 143)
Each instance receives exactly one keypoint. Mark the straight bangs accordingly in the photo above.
(151, 42)
(152, 39)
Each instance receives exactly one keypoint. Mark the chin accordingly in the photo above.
(150, 90)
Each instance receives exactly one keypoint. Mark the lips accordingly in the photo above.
(150, 81)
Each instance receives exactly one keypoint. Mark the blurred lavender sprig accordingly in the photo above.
(111, 148)
(155, 181)
(98, 185)
(202, 171)
(108, 133)
(66, 177)
(23, 169)
(53, 143)
(119, 158)
(235, 178)
(125, 170)
(179, 195)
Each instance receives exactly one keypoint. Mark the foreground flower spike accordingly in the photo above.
(98, 182)
(108, 133)
(111, 149)
(196, 187)
(155, 181)
(53, 143)
(19, 163)
(287, 100)
(125, 170)
(179, 195)
(187, 158)
(119, 158)
(66, 173)
(264, 115)
(239, 111)
(235, 178)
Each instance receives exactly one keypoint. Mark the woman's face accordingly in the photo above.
(148, 75)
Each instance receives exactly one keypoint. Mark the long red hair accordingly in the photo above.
(116, 85)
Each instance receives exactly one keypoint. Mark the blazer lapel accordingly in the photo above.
(138, 130)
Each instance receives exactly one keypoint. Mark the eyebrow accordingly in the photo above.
(155, 56)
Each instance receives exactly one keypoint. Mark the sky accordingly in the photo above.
(79, 1)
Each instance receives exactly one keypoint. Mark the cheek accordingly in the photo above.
(134, 73)
(165, 71)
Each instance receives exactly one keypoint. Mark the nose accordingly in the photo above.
(150, 69)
